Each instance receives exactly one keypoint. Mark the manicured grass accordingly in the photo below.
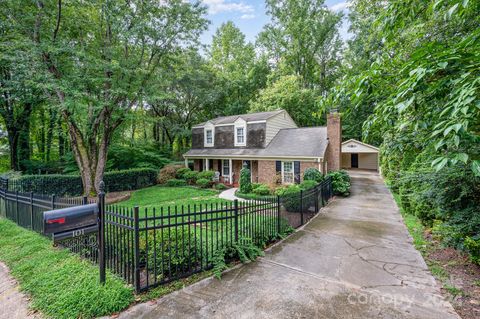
(160, 196)
(60, 284)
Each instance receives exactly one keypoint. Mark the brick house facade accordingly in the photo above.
(269, 143)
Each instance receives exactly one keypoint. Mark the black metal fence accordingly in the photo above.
(152, 246)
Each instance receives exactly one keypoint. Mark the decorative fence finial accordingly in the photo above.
(101, 187)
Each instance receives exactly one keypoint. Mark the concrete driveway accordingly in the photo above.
(354, 260)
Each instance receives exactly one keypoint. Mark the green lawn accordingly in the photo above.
(60, 284)
(160, 196)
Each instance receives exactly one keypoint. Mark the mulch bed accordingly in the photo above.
(464, 275)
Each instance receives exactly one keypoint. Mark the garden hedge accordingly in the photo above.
(71, 185)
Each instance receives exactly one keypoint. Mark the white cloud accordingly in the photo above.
(247, 16)
(340, 6)
(218, 6)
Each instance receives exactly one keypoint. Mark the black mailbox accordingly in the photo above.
(71, 221)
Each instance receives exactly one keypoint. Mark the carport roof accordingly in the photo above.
(355, 146)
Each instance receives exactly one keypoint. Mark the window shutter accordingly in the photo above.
(278, 166)
(296, 171)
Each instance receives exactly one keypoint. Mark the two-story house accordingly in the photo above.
(270, 144)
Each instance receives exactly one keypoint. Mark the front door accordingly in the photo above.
(354, 162)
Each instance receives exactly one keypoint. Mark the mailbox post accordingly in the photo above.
(101, 231)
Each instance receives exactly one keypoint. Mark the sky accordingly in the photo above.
(250, 16)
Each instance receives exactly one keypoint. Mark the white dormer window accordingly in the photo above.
(240, 135)
(240, 132)
(209, 132)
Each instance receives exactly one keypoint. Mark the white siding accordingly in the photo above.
(368, 160)
(276, 123)
(354, 147)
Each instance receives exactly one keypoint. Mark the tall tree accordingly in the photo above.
(101, 55)
(239, 75)
(303, 40)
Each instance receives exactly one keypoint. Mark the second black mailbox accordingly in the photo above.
(71, 218)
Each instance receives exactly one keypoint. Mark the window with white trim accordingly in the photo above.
(226, 168)
(240, 135)
(288, 176)
(209, 135)
(240, 132)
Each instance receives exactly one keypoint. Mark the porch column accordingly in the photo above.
(186, 162)
(230, 170)
(207, 163)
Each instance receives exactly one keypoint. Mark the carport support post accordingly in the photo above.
(101, 232)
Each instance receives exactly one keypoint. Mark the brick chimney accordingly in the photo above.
(334, 135)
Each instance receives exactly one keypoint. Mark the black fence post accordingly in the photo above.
(136, 248)
(236, 219)
(101, 231)
(84, 200)
(278, 215)
(31, 210)
(301, 207)
(53, 202)
(16, 207)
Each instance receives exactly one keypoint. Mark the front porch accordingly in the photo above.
(228, 170)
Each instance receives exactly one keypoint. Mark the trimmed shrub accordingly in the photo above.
(308, 184)
(167, 173)
(175, 182)
(312, 174)
(181, 172)
(167, 261)
(203, 182)
(130, 179)
(340, 182)
(57, 184)
(71, 185)
(245, 182)
(290, 197)
(206, 175)
(191, 177)
(220, 187)
(255, 185)
(262, 190)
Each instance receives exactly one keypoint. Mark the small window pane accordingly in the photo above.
(209, 137)
(226, 168)
(288, 176)
(240, 135)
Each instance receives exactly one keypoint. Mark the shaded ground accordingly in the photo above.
(13, 303)
(355, 260)
(460, 279)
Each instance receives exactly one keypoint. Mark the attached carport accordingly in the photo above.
(356, 154)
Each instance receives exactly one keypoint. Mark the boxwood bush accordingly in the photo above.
(261, 190)
(163, 251)
(206, 175)
(203, 182)
(312, 174)
(175, 182)
(191, 177)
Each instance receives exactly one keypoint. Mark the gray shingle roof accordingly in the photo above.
(305, 142)
(261, 116)
(293, 142)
